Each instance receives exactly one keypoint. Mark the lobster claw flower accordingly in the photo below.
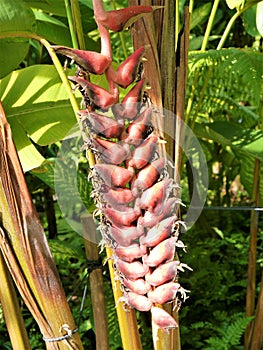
(90, 61)
(128, 70)
(101, 124)
(131, 103)
(163, 319)
(118, 20)
(111, 152)
(96, 94)
(113, 175)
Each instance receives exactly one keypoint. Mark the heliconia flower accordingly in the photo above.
(131, 270)
(132, 189)
(129, 254)
(111, 152)
(138, 286)
(163, 251)
(90, 61)
(155, 197)
(117, 196)
(118, 20)
(147, 176)
(101, 125)
(128, 70)
(163, 319)
(124, 235)
(164, 293)
(131, 103)
(149, 219)
(143, 153)
(137, 301)
(113, 175)
(158, 233)
(137, 128)
(99, 96)
(123, 216)
(163, 273)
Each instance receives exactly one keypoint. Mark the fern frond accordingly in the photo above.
(234, 84)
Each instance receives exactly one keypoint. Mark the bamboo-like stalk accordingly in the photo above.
(256, 333)
(77, 24)
(96, 284)
(26, 252)
(252, 259)
(12, 312)
(71, 25)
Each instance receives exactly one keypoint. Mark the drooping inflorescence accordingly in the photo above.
(131, 186)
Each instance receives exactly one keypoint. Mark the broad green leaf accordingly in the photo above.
(57, 7)
(259, 18)
(35, 99)
(249, 19)
(45, 172)
(55, 31)
(14, 16)
(199, 15)
(248, 141)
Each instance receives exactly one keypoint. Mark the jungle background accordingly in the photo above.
(224, 108)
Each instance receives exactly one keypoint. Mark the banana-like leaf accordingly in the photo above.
(14, 16)
(37, 108)
(25, 249)
(250, 142)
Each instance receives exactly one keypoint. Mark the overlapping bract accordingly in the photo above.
(132, 189)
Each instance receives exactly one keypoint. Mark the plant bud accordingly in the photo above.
(147, 176)
(158, 233)
(90, 61)
(161, 252)
(163, 319)
(163, 273)
(149, 219)
(97, 95)
(156, 196)
(139, 286)
(117, 196)
(113, 175)
(101, 124)
(127, 71)
(131, 270)
(164, 293)
(137, 301)
(124, 216)
(111, 152)
(118, 20)
(124, 235)
(131, 103)
(143, 153)
(137, 128)
(129, 254)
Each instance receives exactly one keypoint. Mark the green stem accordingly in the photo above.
(209, 25)
(230, 24)
(71, 25)
(78, 23)
(177, 23)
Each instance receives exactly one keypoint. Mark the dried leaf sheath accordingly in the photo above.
(25, 248)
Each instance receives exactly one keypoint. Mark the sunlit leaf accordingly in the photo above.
(35, 99)
(14, 17)
(248, 141)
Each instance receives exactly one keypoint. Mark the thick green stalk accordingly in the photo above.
(12, 313)
(230, 25)
(77, 24)
(209, 24)
(71, 25)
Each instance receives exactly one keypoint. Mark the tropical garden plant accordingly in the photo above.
(202, 63)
